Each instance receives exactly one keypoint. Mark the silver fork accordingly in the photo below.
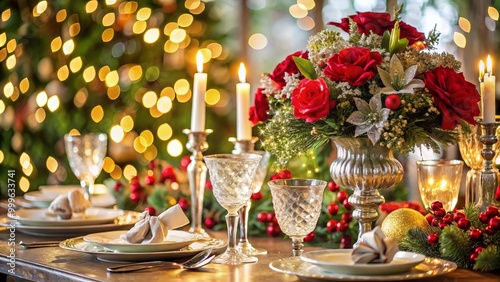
(199, 260)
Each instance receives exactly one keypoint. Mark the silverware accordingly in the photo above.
(40, 244)
(199, 260)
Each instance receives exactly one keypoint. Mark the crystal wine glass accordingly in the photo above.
(297, 204)
(244, 245)
(231, 177)
(86, 156)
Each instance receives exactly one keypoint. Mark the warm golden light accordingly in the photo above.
(464, 24)
(149, 99)
(152, 35)
(116, 133)
(11, 45)
(63, 73)
(459, 39)
(257, 41)
(199, 61)
(24, 160)
(2, 157)
(178, 35)
(8, 89)
(91, 6)
(24, 85)
(135, 73)
(40, 115)
(306, 23)
(174, 148)
(127, 123)
(212, 97)
(129, 172)
(61, 15)
(97, 114)
(143, 14)
(242, 73)
(493, 13)
(164, 104)
(89, 74)
(3, 39)
(298, 11)
(51, 164)
(75, 64)
(53, 103)
(489, 65)
(164, 132)
(41, 99)
(112, 78)
(2, 107)
(56, 44)
(68, 47)
(481, 70)
(108, 165)
(108, 19)
(6, 15)
(24, 184)
(181, 86)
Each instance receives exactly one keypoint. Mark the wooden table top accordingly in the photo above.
(56, 264)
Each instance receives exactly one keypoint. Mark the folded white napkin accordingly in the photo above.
(154, 229)
(375, 248)
(65, 205)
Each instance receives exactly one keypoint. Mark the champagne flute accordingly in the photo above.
(244, 245)
(231, 177)
(86, 156)
(297, 203)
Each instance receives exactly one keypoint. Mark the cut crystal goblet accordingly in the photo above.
(297, 204)
(231, 177)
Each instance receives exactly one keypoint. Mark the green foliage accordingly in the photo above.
(305, 67)
(488, 259)
(416, 241)
(432, 39)
(454, 245)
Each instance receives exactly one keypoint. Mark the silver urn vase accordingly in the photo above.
(365, 168)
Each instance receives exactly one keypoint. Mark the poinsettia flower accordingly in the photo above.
(399, 80)
(369, 118)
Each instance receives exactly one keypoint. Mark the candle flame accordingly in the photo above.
(199, 61)
(481, 70)
(242, 73)
(489, 65)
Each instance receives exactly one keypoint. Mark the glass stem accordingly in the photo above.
(232, 224)
(243, 213)
(88, 184)
(297, 246)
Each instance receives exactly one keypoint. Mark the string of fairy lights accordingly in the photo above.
(179, 41)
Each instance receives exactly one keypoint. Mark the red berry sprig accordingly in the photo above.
(273, 228)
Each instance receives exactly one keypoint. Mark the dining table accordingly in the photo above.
(58, 264)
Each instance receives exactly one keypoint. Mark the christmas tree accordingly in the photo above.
(124, 68)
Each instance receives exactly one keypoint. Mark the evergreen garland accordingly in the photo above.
(455, 244)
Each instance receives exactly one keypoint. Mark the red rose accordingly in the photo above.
(378, 23)
(409, 32)
(258, 112)
(354, 65)
(311, 100)
(288, 66)
(455, 97)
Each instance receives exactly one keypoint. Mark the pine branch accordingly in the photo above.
(454, 245)
(416, 242)
(488, 259)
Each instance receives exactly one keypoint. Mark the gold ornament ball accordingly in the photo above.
(398, 222)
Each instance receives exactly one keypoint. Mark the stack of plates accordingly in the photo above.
(337, 265)
(108, 246)
(46, 194)
(41, 222)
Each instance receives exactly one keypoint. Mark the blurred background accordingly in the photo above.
(126, 68)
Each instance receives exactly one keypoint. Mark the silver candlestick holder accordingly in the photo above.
(241, 147)
(488, 176)
(197, 177)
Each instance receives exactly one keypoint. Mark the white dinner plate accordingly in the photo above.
(39, 199)
(41, 217)
(43, 198)
(340, 261)
(79, 245)
(126, 221)
(430, 267)
(174, 240)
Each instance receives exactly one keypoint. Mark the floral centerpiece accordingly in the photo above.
(383, 82)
